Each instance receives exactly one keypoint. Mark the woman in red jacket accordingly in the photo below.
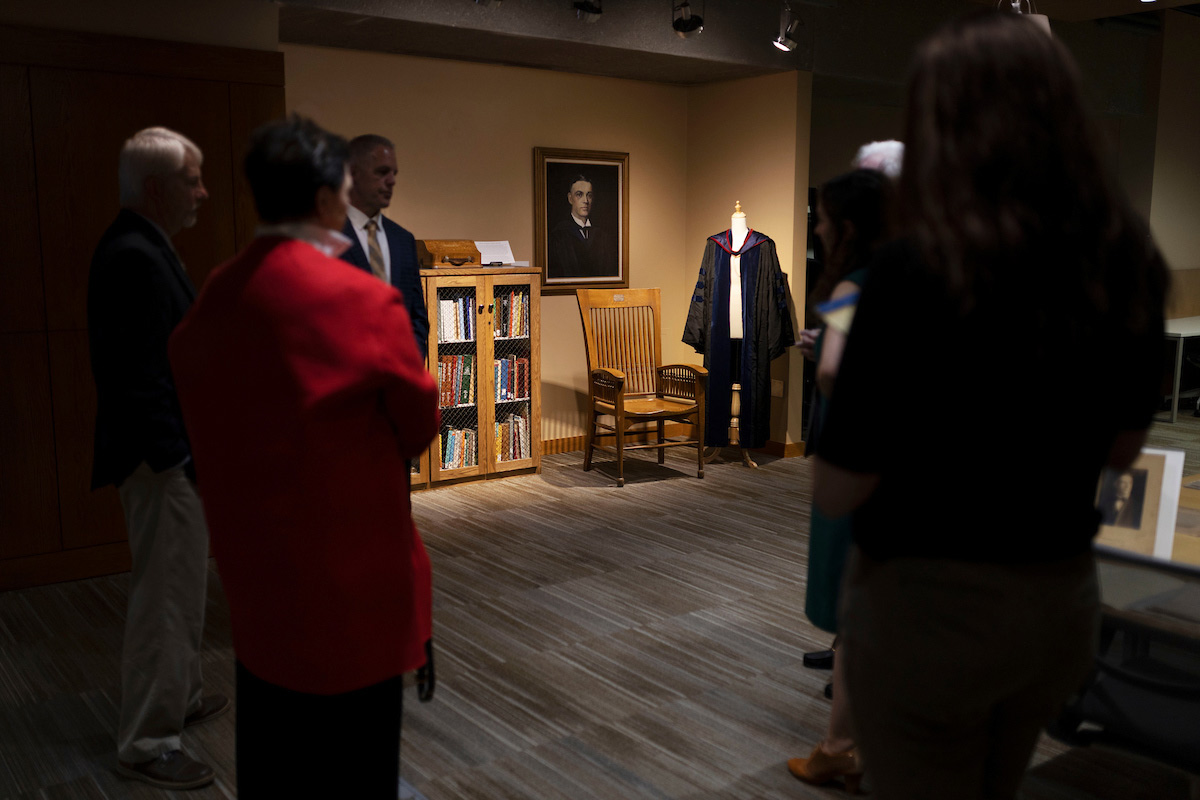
(305, 395)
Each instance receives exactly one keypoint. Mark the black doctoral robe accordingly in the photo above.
(767, 332)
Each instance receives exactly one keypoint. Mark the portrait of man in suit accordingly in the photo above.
(378, 245)
(583, 223)
(1122, 496)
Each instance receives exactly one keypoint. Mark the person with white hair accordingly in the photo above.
(886, 157)
(138, 292)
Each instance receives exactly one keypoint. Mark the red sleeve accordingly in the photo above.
(409, 391)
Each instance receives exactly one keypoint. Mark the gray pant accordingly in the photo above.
(953, 668)
(160, 660)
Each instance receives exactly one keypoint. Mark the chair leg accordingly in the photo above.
(700, 445)
(589, 441)
(662, 451)
(620, 450)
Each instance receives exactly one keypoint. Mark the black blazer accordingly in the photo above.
(137, 294)
(406, 273)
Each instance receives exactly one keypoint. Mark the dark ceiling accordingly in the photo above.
(853, 47)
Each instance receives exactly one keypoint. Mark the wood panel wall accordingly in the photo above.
(67, 102)
(1184, 299)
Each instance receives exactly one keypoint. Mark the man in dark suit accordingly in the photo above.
(577, 249)
(138, 292)
(1120, 505)
(391, 257)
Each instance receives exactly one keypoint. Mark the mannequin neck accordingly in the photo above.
(738, 230)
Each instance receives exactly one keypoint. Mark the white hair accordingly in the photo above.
(886, 157)
(150, 152)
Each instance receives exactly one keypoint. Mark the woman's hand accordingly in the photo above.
(808, 342)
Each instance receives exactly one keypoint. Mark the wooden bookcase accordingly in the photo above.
(485, 352)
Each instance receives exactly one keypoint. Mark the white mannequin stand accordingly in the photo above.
(738, 231)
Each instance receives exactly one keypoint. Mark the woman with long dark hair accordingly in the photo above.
(1022, 278)
(852, 211)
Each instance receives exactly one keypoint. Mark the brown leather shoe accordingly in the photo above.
(173, 770)
(211, 707)
(822, 767)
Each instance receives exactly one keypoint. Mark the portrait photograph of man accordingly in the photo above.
(1122, 495)
(582, 223)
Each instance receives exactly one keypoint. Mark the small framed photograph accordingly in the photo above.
(1138, 506)
(580, 219)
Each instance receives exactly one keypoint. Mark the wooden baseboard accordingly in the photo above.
(570, 444)
(789, 450)
(65, 565)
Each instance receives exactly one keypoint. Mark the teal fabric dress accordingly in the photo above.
(828, 539)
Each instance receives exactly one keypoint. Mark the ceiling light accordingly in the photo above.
(488, 3)
(1027, 9)
(684, 21)
(588, 10)
(789, 28)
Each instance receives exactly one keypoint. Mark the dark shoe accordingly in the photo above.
(821, 659)
(172, 770)
(211, 707)
(821, 767)
(829, 691)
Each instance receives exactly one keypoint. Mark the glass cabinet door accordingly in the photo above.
(457, 371)
(512, 381)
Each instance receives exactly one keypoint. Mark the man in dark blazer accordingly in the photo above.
(393, 256)
(138, 292)
(576, 248)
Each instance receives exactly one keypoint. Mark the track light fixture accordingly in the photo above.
(684, 21)
(488, 3)
(789, 28)
(588, 10)
(1027, 9)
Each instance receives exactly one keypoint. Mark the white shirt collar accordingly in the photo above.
(359, 220)
(583, 223)
(331, 243)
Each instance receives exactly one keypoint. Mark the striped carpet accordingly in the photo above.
(593, 642)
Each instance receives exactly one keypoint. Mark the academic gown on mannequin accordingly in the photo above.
(767, 332)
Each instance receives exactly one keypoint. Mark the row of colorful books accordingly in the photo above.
(511, 378)
(456, 320)
(511, 317)
(456, 379)
(460, 448)
(512, 438)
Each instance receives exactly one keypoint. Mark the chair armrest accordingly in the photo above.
(608, 385)
(681, 380)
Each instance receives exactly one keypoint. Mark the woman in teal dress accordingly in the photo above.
(852, 211)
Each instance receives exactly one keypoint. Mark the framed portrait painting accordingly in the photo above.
(1138, 506)
(580, 218)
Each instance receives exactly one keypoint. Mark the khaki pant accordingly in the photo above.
(954, 668)
(160, 660)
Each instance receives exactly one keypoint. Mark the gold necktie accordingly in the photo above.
(374, 254)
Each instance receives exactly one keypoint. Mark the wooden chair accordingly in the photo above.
(626, 380)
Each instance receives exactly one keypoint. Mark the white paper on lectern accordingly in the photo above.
(494, 252)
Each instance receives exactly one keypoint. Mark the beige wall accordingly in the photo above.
(465, 135)
(1175, 202)
(253, 24)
